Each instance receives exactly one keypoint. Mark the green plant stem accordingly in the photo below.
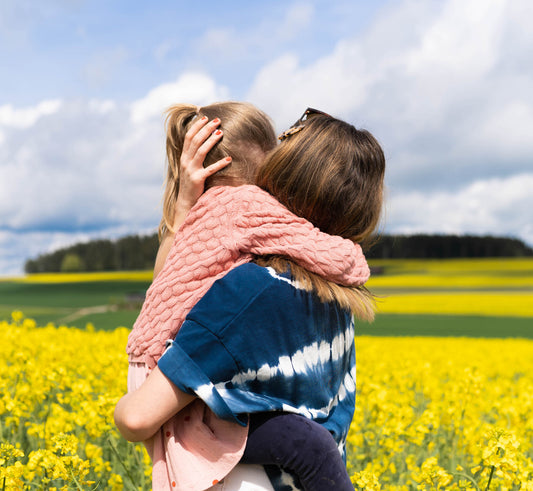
(490, 477)
(78, 485)
(121, 463)
(140, 464)
(473, 481)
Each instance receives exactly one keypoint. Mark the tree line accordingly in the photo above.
(129, 253)
(136, 252)
(424, 246)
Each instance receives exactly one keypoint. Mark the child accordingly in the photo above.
(226, 225)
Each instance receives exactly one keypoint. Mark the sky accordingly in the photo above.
(444, 85)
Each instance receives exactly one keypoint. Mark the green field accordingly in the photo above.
(73, 302)
(447, 325)
(76, 300)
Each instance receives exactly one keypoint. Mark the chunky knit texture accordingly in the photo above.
(226, 227)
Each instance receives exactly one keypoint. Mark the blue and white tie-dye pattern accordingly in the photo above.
(257, 342)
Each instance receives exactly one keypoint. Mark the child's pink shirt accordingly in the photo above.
(226, 228)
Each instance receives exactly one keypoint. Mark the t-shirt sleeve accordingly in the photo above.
(256, 343)
(199, 358)
(195, 361)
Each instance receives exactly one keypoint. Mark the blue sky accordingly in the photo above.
(445, 85)
(122, 49)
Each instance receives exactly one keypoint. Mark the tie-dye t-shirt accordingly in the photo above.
(257, 342)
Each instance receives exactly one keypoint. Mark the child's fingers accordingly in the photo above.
(214, 168)
(206, 146)
(196, 127)
(192, 132)
(191, 185)
(197, 135)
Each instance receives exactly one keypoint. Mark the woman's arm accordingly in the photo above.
(199, 140)
(139, 414)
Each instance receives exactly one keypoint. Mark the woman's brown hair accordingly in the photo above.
(248, 137)
(331, 174)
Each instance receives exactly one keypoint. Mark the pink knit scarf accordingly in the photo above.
(226, 227)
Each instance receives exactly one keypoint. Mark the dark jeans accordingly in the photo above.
(300, 446)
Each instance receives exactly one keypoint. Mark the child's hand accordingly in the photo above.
(201, 137)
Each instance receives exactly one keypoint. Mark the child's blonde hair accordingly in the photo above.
(248, 137)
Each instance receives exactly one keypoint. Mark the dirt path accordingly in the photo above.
(97, 309)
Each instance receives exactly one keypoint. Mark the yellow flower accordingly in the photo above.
(115, 483)
(432, 475)
(366, 480)
(65, 444)
(429, 411)
(501, 454)
(10, 476)
(9, 453)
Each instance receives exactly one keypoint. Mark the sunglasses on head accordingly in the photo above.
(300, 124)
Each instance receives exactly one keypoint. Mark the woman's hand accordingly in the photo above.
(199, 140)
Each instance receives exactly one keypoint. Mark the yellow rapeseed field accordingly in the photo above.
(443, 413)
(459, 267)
(431, 413)
(493, 303)
(488, 287)
(59, 388)
(86, 276)
(447, 274)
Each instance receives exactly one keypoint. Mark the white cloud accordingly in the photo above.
(85, 168)
(102, 106)
(223, 42)
(297, 18)
(444, 88)
(285, 89)
(194, 88)
(462, 40)
(493, 206)
(505, 133)
(256, 40)
(441, 84)
(444, 85)
(27, 116)
(17, 247)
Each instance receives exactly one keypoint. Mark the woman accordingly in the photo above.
(299, 357)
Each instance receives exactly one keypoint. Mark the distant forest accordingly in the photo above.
(423, 246)
(129, 253)
(138, 252)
